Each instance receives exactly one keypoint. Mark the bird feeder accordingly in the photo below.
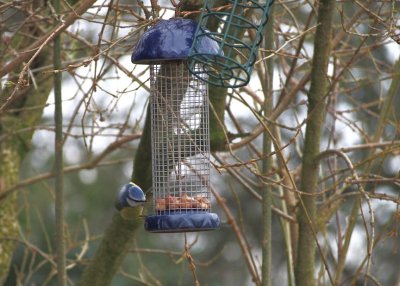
(239, 33)
(179, 129)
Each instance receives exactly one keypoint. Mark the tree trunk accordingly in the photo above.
(305, 267)
(13, 147)
(17, 113)
(9, 166)
(110, 253)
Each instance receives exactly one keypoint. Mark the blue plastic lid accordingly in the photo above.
(171, 40)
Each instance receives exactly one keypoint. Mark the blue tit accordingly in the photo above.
(130, 196)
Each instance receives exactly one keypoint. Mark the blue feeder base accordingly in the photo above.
(182, 222)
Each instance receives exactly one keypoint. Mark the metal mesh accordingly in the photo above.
(180, 139)
(232, 65)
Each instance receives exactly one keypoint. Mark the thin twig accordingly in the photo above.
(240, 236)
(90, 165)
(192, 264)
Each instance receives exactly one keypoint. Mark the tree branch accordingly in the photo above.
(39, 44)
(89, 165)
(305, 267)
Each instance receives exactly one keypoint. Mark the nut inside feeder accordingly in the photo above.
(179, 129)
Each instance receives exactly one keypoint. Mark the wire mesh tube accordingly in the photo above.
(239, 34)
(180, 139)
(180, 149)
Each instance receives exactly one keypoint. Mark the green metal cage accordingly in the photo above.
(238, 28)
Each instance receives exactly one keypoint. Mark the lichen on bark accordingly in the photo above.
(13, 147)
(9, 167)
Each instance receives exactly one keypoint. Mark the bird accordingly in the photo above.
(130, 196)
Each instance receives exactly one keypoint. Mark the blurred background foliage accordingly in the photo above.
(104, 101)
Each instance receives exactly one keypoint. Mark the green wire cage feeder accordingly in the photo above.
(238, 29)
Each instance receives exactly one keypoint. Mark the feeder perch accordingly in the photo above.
(239, 34)
(179, 129)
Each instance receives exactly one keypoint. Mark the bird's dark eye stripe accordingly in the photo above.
(138, 201)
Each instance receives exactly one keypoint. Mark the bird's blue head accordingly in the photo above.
(131, 195)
